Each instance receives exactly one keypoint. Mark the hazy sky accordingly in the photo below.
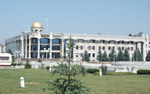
(108, 17)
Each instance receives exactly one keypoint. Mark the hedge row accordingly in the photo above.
(92, 70)
(143, 71)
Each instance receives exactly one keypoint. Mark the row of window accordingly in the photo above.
(45, 40)
(103, 41)
(103, 48)
(35, 47)
(81, 54)
(44, 55)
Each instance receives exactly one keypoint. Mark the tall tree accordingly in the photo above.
(148, 56)
(120, 56)
(112, 55)
(67, 85)
(104, 58)
(85, 56)
(138, 55)
(99, 56)
(126, 55)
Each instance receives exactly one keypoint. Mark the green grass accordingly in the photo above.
(108, 84)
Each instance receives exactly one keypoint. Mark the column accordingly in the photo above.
(22, 47)
(26, 47)
(51, 45)
(38, 48)
(62, 47)
(29, 47)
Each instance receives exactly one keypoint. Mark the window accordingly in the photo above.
(44, 46)
(77, 41)
(93, 47)
(93, 41)
(118, 48)
(128, 48)
(89, 55)
(77, 47)
(81, 40)
(122, 48)
(122, 42)
(113, 47)
(81, 54)
(56, 41)
(99, 41)
(44, 40)
(76, 54)
(128, 42)
(55, 47)
(118, 42)
(131, 42)
(99, 47)
(81, 47)
(132, 48)
(109, 42)
(103, 41)
(113, 42)
(89, 41)
(89, 47)
(93, 54)
(34, 40)
(109, 48)
(103, 47)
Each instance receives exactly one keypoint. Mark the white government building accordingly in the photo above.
(39, 44)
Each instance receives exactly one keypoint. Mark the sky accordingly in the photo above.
(108, 17)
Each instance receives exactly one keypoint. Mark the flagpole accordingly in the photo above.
(28, 24)
(47, 24)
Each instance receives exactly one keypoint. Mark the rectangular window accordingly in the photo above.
(89, 55)
(93, 54)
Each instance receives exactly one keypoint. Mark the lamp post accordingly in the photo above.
(17, 55)
(114, 56)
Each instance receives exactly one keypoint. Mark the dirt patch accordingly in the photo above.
(31, 83)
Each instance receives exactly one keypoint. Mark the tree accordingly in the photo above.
(148, 56)
(126, 55)
(67, 85)
(85, 56)
(13, 59)
(99, 56)
(112, 54)
(104, 58)
(120, 56)
(138, 55)
(27, 65)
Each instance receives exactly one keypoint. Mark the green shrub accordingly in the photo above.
(104, 69)
(47, 67)
(27, 65)
(120, 73)
(20, 64)
(13, 64)
(143, 71)
(92, 70)
(96, 73)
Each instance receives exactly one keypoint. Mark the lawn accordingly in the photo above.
(108, 84)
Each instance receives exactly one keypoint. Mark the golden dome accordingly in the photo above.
(36, 25)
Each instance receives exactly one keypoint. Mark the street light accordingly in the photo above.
(17, 55)
(114, 56)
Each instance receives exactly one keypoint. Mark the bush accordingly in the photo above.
(20, 64)
(104, 69)
(13, 64)
(92, 70)
(47, 67)
(27, 65)
(117, 73)
(143, 71)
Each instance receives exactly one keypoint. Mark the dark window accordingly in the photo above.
(89, 47)
(44, 40)
(103, 47)
(44, 46)
(128, 42)
(122, 48)
(93, 41)
(56, 41)
(99, 47)
(34, 40)
(93, 47)
(132, 48)
(128, 48)
(81, 40)
(56, 55)
(122, 42)
(113, 47)
(118, 42)
(81, 47)
(77, 47)
(34, 47)
(89, 55)
(109, 42)
(34, 54)
(131, 42)
(103, 41)
(93, 55)
(118, 48)
(89, 41)
(55, 47)
(109, 48)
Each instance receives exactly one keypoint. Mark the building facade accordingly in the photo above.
(2, 48)
(39, 44)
